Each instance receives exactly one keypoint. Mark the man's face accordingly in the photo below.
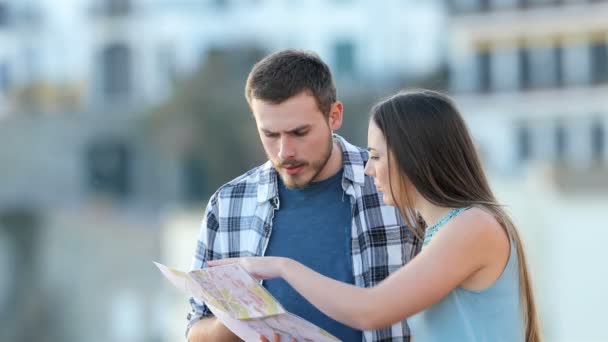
(297, 137)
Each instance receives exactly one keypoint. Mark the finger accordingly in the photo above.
(220, 262)
(263, 339)
(277, 337)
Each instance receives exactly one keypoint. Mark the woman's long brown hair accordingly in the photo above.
(434, 152)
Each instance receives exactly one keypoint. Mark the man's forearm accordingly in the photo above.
(210, 329)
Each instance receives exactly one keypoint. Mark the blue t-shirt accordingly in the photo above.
(313, 226)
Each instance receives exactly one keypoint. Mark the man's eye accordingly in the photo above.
(300, 133)
(374, 157)
(271, 135)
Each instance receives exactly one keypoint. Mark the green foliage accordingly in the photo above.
(208, 120)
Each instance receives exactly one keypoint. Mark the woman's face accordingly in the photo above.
(378, 165)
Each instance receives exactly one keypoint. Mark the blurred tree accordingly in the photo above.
(207, 124)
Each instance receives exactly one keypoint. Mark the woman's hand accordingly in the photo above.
(259, 267)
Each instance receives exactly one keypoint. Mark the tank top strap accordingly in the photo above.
(432, 230)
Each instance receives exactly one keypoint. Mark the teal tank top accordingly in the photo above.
(492, 315)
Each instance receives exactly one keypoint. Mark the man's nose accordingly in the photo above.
(286, 148)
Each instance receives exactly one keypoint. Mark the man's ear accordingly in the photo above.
(335, 115)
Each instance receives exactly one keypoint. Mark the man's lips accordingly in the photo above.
(293, 169)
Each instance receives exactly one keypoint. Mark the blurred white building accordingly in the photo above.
(80, 186)
(92, 66)
(358, 38)
(105, 54)
(531, 78)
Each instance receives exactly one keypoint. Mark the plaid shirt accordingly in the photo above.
(238, 223)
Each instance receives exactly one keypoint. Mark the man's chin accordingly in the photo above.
(294, 182)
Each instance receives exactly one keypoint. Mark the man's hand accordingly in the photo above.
(210, 329)
(276, 338)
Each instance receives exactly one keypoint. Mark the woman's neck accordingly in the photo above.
(430, 212)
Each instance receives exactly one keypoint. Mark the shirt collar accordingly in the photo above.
(353, 162)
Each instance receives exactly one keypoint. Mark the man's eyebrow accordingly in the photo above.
(370, 149)
(266, 130)
(291, 131)
(299, 128)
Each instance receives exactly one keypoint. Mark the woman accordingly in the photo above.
(470, 282)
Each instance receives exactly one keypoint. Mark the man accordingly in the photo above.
(311, 201)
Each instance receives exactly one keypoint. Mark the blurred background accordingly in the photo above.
(118, 119)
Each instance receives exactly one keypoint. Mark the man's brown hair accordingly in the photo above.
(287, 73)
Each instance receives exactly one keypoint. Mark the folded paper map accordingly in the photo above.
(243, 305)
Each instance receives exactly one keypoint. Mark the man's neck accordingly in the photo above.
(333, 165)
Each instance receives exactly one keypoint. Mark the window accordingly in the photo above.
(483, 67)
(598, 141)
(560, 142)
(542, 67)
(504, 69)
(537, 3)
(524, 68)
(5, 77)
(193, 179)
(464, 6)
(576, 64)
(504, 4)
(108, 166)
(558, 57)
(345, 58)
(484, 5)
(524, 143)
(221, 4)
(7, 266)
(599, 62)
(116, 66)
(4, 14)
(117, 7)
